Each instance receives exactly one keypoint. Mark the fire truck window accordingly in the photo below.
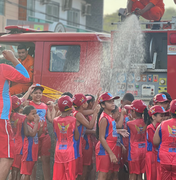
(65, 58)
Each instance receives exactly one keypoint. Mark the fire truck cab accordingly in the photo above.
(62, 61)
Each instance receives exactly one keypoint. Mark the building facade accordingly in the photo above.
(54, 15)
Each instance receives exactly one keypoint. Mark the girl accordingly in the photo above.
(107, 133)
(156, 114)
(137, 139)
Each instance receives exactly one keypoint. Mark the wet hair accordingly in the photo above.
(36, 88)
(128, 97)
(114, 110)
(173, 115)
(146, 116)
(22, 46)
(67, 94)
(167, 95)
(98, 117)
(28, 109)
(91, 100)
(151, 102)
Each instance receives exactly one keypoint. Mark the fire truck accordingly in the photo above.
(75, 62)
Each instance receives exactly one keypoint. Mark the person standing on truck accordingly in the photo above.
(148, 9)
(44, 112)
(19, 75)
(28, 62)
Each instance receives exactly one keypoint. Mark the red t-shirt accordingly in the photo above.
(167, 149)
(30, 148)
(137, 140)
(111, 135)
(42, 112)
(16, 121)
(64, 128)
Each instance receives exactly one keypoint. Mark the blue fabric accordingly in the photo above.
(6, 101)
(149, 144)
(20, 68)
(23, 136)
(160, 135)
(30, 143)
(129, 151)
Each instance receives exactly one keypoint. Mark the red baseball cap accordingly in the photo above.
(16, 102)
(79, 99)
(65, 103)
(156, 109)
(160, 98)
(137, 105)
(106, 97)
(38, 86)
(173, 106)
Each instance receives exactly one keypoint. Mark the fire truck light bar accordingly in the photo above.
(19, 29)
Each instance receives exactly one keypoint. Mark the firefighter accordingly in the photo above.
(148, 9)
(28, 62)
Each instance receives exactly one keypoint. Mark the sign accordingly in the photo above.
(38, 27)
(171, 50)
(59, 28)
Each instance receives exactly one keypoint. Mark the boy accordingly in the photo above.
(44, 113)
(65, 129)
(17, 120)
(30, 147)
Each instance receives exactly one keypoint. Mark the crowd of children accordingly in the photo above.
(121, 142)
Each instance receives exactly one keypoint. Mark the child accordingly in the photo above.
(137, 139)
(165, 138)
(45, 113)
(65, 129)
(161, 100)
(17, 120)
(106, 131)
(30, 147)
(80, 104)
(156, 116)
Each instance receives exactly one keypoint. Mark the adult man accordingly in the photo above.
(149, 9)
(28, 62)
(19, 75)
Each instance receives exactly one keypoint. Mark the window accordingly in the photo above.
(2, 7)
(65, 58)
(30, 7)
(52, 11)
(73, 17)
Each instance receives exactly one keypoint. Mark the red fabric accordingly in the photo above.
(154, 13)
(137, 167)
(64, 129)
(137, 140)
(168, 172)
(17, 161)
(151, 165)
(44, 146)
(6, 140)
(167, 148)
(27, 167)
(79, 166)
(16, 121)
(30, 147)
(8, 73)
(151, 131)
(110, 135)
(64, 171)
(42, 112)
(158, 171)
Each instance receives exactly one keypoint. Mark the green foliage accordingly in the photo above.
(108, 19)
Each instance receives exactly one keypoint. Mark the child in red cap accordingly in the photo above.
(161, 100)
(17, 120)
(165, 138)
(105, 151)
(32, 130)
(156, 114)
(137, 139)
(65, 129)
(80, 104)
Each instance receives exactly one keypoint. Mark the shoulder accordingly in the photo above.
(30, 58)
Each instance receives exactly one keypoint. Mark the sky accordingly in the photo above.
(111, 6)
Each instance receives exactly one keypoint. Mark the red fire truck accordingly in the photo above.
(75, 61)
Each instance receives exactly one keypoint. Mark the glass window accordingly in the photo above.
(73, 17)
(30, 7)
(2, 7)
(65, 58)
(52, 11)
